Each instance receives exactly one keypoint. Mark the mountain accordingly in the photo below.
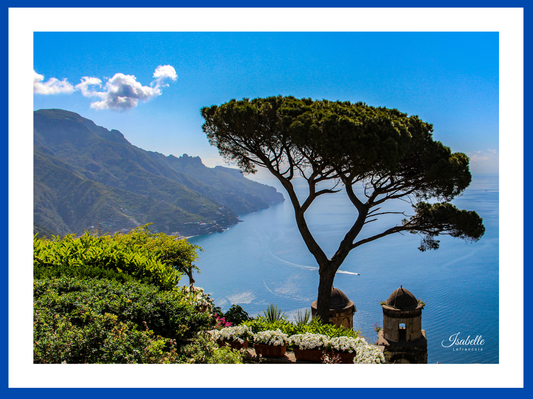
(225, 185)
(88, 177)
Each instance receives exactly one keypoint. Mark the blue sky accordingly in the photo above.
(449, 79)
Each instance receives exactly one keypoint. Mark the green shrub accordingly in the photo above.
(76, 314)
(236, 315)
(204, 349)
(272, 313)
(100, 339)
(177, 253)
(303, 317)
(261, 323)
(315, 326)
(140, 255)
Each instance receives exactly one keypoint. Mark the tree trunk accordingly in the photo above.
(189, 274)
(325, 285)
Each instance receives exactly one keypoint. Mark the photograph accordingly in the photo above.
(294, 187)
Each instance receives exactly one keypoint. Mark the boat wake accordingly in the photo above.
(305, 267)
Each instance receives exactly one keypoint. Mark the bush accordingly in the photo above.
(236, 315)
(177, 253)
(315, 326)
(75, 319)
(100, 339)
(204, 349)
(261, 323)
(272, 313)
(156, 259)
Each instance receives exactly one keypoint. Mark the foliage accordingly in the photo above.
(336, 140)
(272, 313)
(433, 219)
(236, 315)
(204, 349)
(226, 355)
(101, 338)
(391, 155)
(81, 303)
(171, 251)
(315, 326)
(303, 318)
(114, 299)
(138, 255)
(261, 323)
(197, 297)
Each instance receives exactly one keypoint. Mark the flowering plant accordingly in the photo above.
(237, 333)
(344, 344)
(198, 298)
(368, 354)
(271, 337)
(221, 321)
(310, 341)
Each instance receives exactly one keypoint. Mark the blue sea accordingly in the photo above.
(263, 261)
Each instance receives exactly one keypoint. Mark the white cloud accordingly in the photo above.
(51, 86)
(85, 84)
(121, 92)
(165, 71)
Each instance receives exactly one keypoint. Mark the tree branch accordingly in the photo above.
(353, 198)
(393, 230)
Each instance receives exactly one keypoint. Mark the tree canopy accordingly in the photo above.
(334, 144)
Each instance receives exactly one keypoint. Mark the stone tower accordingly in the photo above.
(341, 309)
(402, 334)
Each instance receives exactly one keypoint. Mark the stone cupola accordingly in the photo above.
(402, 333)
(341, 309)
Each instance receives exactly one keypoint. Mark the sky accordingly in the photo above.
(151, 86)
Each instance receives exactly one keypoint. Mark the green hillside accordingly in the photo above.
(86, 176)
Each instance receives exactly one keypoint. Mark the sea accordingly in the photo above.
(263, 260)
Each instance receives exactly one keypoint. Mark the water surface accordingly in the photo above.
(264, 260)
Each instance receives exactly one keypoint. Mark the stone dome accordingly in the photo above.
(338, 300)
(402, 299)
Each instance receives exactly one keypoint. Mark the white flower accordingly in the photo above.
(368, 354)
(236, 333)
(344, 344)
(310, 341)
(270, 337)
(198, 298)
